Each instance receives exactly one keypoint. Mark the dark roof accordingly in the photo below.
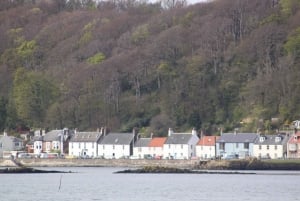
(86, 137)
(143, 142)
(237, 137)
(117, 138)
(271, 139)
(53, 135)
(178, 138)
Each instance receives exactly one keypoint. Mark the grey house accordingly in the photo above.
(235, 145)
(10, 143)
(117, 145)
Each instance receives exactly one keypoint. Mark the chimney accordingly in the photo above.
(194, 132)
(151, 135)
(170, 132)
(134, 133)
(4, 133)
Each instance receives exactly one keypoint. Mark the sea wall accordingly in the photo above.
(99, 163)
(252, 164)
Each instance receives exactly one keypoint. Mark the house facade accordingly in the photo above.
(237, 145)
(156, 146)
(85, 144)
(270, 146)
(117, 145)
(141, 148)
(10, 143)
(180, 145)
(206, 147)
(293, 146)
(52, 141)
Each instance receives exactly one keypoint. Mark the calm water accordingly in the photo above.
(101, 184)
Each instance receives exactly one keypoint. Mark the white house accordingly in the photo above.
(117, 145)
(206, 147)
(85, 144)
(141, 148)
(271, 146)
(180, 145)
(156, 147)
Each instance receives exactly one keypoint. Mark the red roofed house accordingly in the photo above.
(206, 147)
(293, 146)
(156, 147)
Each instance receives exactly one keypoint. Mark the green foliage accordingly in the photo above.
(87, 35)
(26, 49)
(287, 6)
(32, 95)
(292, 46)
(140, 34)
(96, 59)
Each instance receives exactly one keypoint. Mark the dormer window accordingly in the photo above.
(262, 138)
(277, 139)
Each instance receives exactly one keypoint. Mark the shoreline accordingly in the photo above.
(252, 164)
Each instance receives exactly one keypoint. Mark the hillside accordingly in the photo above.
(124, 64)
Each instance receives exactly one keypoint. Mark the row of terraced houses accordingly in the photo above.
(189, 145)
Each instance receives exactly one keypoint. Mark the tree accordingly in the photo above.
(32, 95)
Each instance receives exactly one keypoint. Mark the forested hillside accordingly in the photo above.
(128, 63)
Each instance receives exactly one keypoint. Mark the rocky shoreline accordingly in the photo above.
(25, 170)
(169, 170)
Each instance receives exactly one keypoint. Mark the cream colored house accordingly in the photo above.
(270, 146)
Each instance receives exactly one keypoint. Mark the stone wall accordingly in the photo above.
(100, 163)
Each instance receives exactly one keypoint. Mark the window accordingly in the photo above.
(0, 144)
(246, 145)
(236, 145)
(222, 145)
(79, 146)
(123, 147)
(72, 146)
(113, 146)
(275, 148)
(268, 147)
(103, 147)
(259, 147)
(92, 145)
(17, 144)
(181, 146)
(84, 145)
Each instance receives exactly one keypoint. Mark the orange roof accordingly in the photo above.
(157, 142)
(207, 141)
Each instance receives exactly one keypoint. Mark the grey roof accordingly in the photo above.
(143, 142)
(53, 135)
(237, 137)
(86, 137)
(270, 139)
(178, 138)
(117, 138)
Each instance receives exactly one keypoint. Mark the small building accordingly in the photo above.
(156, 147)
(235, 145)
(117, 145)
(270, 146)
(206, 147)
(180, 145)
(85, 144)
(9, 144)
(293, 146)
(141, 148)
